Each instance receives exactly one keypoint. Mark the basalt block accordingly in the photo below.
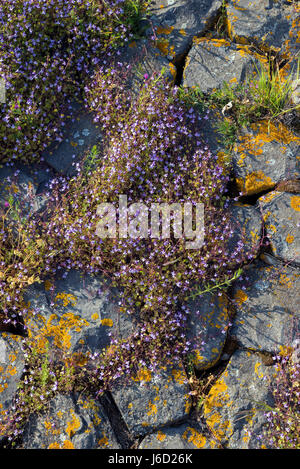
(150, 401)
(267, 307)
(76, 314)
(281, 213)
(79, 137)
(232, 409)
(267, 24)
(211, 62)
(176, 22)
(70, 423)
(264, 155)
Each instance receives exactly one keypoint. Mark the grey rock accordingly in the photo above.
(79, 137)
(11, 370)
(78, 313)
(177, 21)
(186, 436)
(233, 409)
(267, 317)
(264, 155)
(260, 21)
(210, 134)
(70, 423)
(208, 319)
(281, 212)
(211, 62)
(150, 401)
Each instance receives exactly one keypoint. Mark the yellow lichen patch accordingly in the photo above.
(173, 70)
(95, 316)
(272, 228)
(290, 238)
(179, 376)
(67, 444)
(295, 202)
(188, 403)
(58, 329)
(197, 358)
(107, 322)
(73, 425)
(143, 375)
(152, 409)
(47, 425)
(257, 370)
(193, 436)
(103, 442)
(265, 132)
(163, 46)
(285, 351)
(217, 398)
(164, 30)
(161, 436)
(240, 297)
(255, 182)
(67, 299)
(54, 445)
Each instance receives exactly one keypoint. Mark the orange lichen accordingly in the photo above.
(103, 441)
(73, 425)
(254, 183)
(193, 436)
(161, 436)
(143, 375)
(290, 238)
(107, 322)
(152, 409)
(295, 202)
(240, 297)
(257, 370)
(179, 376)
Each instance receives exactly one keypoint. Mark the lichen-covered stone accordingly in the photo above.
(267, 316)
(267, 24)
(211, 62)
(186, 436)
(281, 213)
(151, 400)
(264, 155)
(176, 22)
(78, 313)
(233, 408)
(70, 423)
(79, 137)
(11, 370)
(208, 319)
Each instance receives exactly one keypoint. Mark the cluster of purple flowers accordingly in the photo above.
(47, 50)
(153, 153)
(282, 430)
